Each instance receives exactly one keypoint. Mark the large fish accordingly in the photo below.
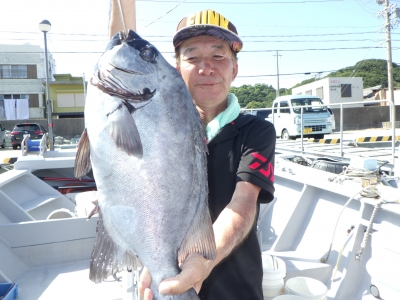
(145, 142)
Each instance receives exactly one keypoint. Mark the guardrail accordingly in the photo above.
(341, 105)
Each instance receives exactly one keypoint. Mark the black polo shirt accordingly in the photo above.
(243, 150)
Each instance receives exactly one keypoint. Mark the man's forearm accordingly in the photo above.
(129, 13)
(235, 221)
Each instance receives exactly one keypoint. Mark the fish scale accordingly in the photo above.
(145, 143)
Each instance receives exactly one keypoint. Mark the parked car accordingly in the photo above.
(286, 117)
(36, 132)
(259, 112)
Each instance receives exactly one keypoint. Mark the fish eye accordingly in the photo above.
(148, 54)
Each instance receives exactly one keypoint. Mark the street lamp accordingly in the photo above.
(45, 27)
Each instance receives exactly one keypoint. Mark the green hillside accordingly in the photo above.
(373, 72)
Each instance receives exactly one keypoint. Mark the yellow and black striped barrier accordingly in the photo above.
(10, 160)
(369, 139)
(324, 141)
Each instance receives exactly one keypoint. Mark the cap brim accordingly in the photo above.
(233, 40)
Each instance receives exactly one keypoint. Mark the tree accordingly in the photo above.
(372, 71)
(260, 95)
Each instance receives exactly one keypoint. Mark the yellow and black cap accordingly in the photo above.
(211, 23)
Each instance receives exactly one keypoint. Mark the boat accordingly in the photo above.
(320, 226)
(45, 236)
(334, 229)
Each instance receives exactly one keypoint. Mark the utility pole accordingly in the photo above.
(277, 73)
(389, 9)
(389, 60)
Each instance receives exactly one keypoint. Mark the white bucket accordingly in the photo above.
(84, 203)
(61, 213)
(306, 287)
(274, 270)
(289, 297)
(272, 288)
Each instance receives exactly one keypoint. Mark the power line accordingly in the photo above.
(247, 51)
(301, 73)
(169, 36)
(247, 41)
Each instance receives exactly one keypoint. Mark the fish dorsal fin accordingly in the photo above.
(107, 258)
(82, 162)
(124, 132)
(199, 238)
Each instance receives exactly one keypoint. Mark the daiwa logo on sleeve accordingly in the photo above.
(262, 165)
(207, 17)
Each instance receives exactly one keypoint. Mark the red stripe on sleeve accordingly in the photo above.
(259, 156)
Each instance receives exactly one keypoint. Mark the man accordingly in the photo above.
(240, 164)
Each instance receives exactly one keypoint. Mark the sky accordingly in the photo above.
(297, 39)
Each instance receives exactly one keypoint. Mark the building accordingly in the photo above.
(334, 90)
(379, 92)
(68, 96)
(22, 74)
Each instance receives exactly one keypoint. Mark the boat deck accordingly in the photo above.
(66, 281)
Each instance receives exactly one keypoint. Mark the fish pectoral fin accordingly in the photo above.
(124, 132)
(95, 210)
(199, 238)
(107, 258)
(82, 162)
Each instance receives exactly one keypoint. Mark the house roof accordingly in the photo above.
(370, 92)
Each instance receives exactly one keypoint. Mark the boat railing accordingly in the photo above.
(24, 145)
(342, 105)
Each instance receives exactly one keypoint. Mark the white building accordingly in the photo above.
(334, 90)
(22, 73)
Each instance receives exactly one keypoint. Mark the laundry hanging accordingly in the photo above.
(22, 108)
(9, 106)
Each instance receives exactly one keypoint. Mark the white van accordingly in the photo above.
(263, 113)
(286, 117)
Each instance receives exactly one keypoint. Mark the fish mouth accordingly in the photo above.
(106, 78)
(111, 85)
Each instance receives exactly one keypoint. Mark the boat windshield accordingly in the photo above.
(315, 105)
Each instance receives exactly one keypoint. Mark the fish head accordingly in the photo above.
(132, 69)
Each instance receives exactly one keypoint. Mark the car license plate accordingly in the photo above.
(307, 130)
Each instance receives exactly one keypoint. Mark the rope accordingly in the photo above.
(122, 16)
(366, 234)
(370, 192)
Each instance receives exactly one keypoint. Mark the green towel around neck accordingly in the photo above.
(228, 115)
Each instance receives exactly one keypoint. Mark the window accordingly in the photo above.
(308, 92)
(14, 106)
(13, 71)
(79, 100)
(15, 96)
(70, 100)
(346, 90)
(284, 110)
(320, 92)
(32, 72)
(275, 106)
(311, 105)
(33, 100)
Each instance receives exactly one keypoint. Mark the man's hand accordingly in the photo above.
(195, 269)
(144, 285)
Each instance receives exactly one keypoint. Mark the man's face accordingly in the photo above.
(208, 70)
